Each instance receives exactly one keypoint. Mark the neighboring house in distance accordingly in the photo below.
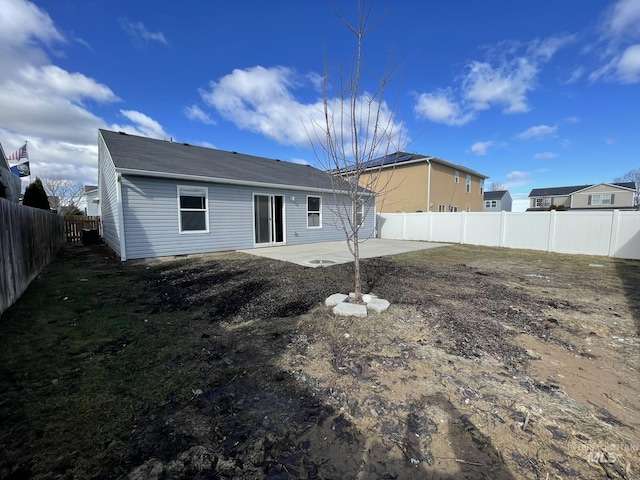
(8, 179)
(92, 201)
(497, 201)
(419, 183)
(160, 198)
(602, 196)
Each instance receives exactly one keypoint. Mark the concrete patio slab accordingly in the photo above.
(331, 253)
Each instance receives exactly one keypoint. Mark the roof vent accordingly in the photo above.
(235, 153)
(186, 144)
(122, 133)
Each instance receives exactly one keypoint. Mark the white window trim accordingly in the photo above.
(468, 183)
(542, 202)
(481, 187)
(453, 208)
(185, 190)
(457, 177)
(309, 211)
(442, 208)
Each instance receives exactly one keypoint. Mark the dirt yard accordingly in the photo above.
(490, 364)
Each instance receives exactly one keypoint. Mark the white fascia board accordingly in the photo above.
(227, 181)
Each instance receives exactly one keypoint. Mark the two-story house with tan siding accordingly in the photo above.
(603, 196)
(409, 182)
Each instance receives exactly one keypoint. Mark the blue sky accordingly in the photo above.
(531, 94)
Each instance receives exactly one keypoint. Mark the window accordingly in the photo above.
(193, 207)
(314, 209)
(543, 202)
(453, 208)
(602, 199)
(468, 183)
(481, 187)
(457, 177)
(442, 208)
(494, 203)
(487, 204)
(467, 209)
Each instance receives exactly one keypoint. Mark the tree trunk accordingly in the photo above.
(356, 268)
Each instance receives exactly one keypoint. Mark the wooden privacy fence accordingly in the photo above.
(75, 224)
(29, 239)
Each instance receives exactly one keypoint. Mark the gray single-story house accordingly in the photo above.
(162, 198)
(497, 201)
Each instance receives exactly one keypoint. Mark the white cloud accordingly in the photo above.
(507, 85)
(620, 32)
(622, 20)
(576, 75)
(516, 175)
(503, 79)
(49, 106)
(628, 67)
(481, 148)
(138, 31)
(441, 107)
(142, 125)
(538, 132)
(260, 100)
(545, 155)
(194, 112)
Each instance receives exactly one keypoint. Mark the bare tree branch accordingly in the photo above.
(63, 191)
(632, 176)
(357, 127)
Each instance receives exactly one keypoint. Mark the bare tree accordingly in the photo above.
(356, 128)
(632, 176)
(63, 192)
(497, 186)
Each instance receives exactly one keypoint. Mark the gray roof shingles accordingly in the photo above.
(155, 156)
(495, 195)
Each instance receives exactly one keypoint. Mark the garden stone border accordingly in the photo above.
(342, 306)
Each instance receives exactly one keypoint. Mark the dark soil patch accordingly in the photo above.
(229, 366)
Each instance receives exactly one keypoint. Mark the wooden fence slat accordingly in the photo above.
(29, 239)
(74, 224)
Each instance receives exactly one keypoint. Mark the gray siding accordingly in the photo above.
(150, 208)
(108, 194)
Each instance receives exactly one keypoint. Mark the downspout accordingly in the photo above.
(428, 185)
(123, 251)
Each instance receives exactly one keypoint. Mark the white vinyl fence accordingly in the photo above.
(608, 233)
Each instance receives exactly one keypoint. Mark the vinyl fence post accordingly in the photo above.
(503, 227)
(613, 236)
(552, 231)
